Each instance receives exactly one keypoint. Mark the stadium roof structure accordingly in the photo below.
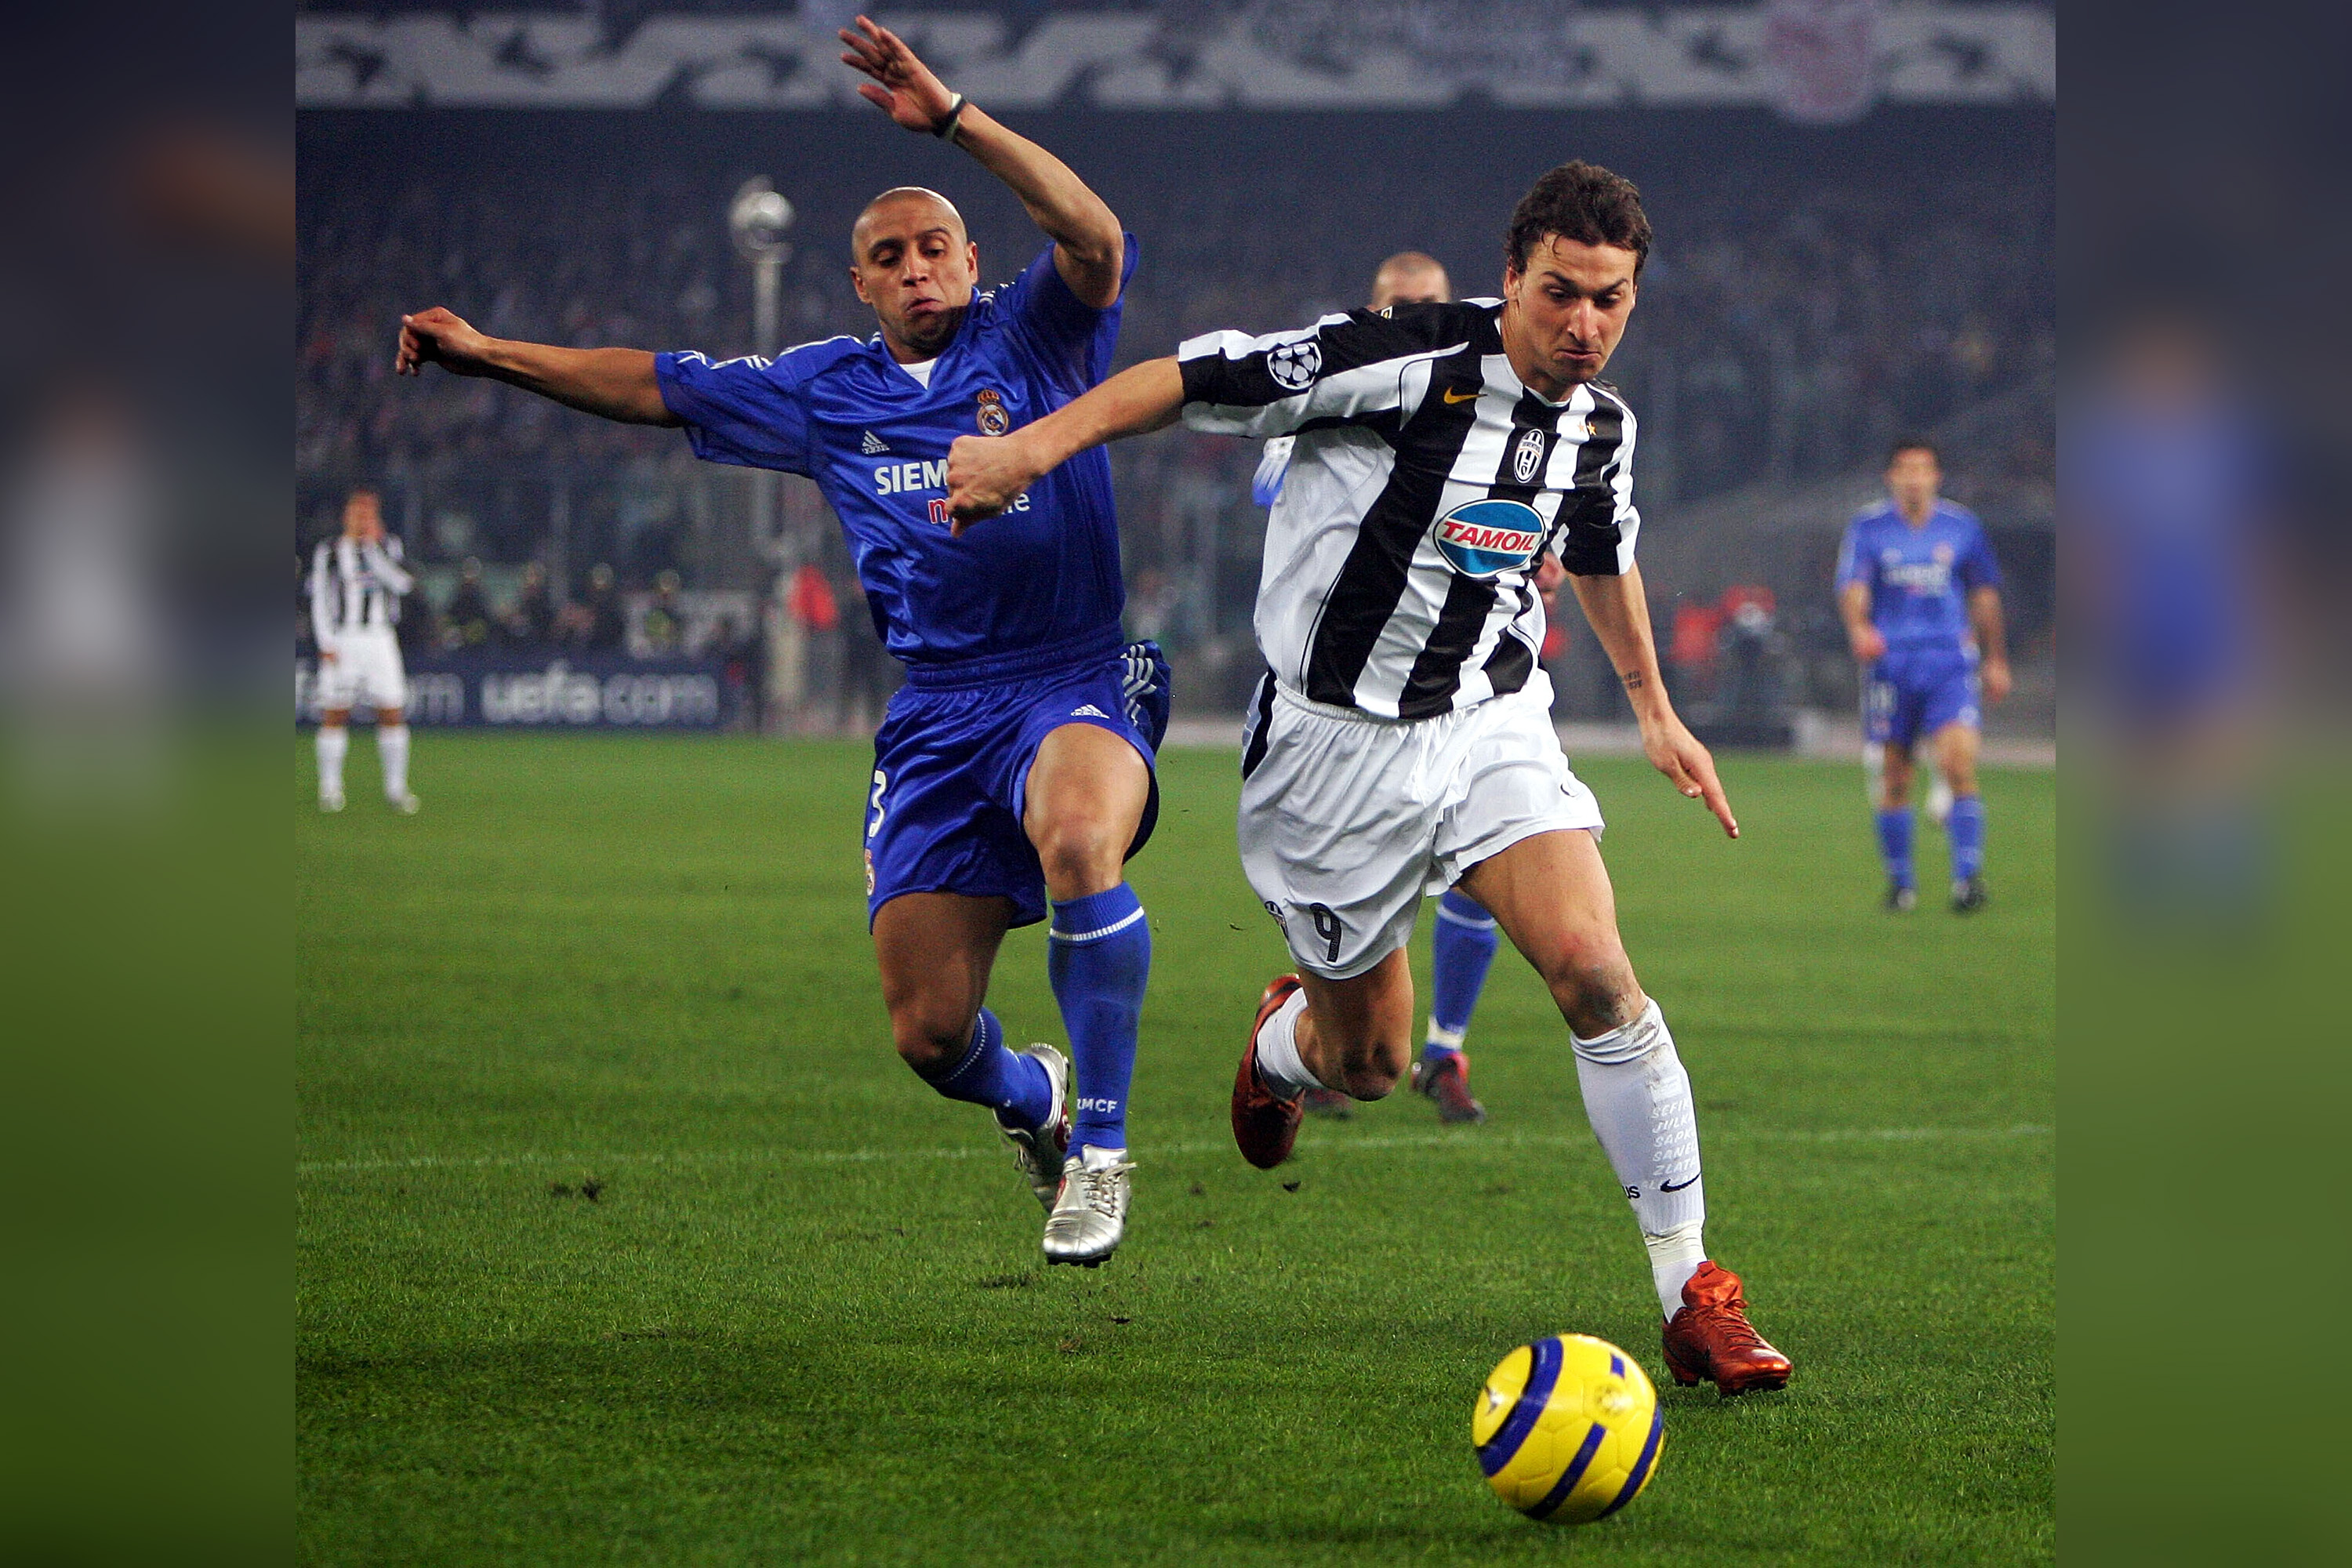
(1821, 61)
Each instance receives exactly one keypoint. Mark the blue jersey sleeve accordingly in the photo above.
(1978, 566)
(1068, 336)
(748, 412)
(1855, 564)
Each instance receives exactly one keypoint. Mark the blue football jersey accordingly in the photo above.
(1036, 588)
(1919, 578)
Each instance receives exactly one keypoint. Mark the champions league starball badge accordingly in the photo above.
(993, 420)
(1487, 538)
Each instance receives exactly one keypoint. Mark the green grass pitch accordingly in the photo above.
(623, 1237)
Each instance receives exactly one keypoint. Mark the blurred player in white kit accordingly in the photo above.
(356, 586)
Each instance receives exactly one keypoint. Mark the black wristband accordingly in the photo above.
(945, 129)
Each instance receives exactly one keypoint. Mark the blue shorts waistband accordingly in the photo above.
(1086, 649)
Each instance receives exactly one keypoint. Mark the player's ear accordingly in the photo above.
(857, 281)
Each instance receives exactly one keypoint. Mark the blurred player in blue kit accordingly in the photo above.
(1919, 592)
(1014, 770)
(1463, 943)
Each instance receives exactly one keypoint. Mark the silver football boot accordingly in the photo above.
(1090, 1215)
(1039, 1153)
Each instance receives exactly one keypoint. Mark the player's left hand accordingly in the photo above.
(907, 90)
(1994, 678)
(985, 475)
(1675, 751)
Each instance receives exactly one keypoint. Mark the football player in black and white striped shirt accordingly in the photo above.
(1463, 941)
(1402, 738)
(357, 581)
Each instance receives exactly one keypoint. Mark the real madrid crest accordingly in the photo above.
(993, 420)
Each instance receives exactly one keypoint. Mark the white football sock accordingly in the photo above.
(392, 751)
(1277, 1050)
(333, 741)
(1638, 1099)
(1673, 1259)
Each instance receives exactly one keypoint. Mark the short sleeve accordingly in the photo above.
(1853, 564)
(1345, 369)
(1063, 329)
(1979, 568)
(748, 411)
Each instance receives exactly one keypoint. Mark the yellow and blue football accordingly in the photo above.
(1568, 1429)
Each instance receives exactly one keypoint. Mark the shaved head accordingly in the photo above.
(1410, 276)
(911, 259)
(913, 199)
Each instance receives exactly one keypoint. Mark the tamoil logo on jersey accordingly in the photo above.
(1487, 538)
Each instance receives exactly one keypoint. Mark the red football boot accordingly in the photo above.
(1711, 1337)
(1264, 1126)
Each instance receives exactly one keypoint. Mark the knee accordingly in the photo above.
(1371, 1070)
(1591, 980)
(1373, 1079)
(930, 1036)
(1079, 858)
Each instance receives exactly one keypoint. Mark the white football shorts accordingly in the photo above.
(365, 673)
(1348, 822)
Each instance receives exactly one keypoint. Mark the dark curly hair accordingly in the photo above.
(1582, 202)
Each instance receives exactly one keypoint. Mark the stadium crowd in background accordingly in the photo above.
(1790, 333)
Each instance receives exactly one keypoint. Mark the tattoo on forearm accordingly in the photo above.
(1633, 681)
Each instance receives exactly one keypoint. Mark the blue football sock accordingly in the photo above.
(1099, 955)
(1462, 947)
(1965, 829)
(1012, 1084)
(1894, 845)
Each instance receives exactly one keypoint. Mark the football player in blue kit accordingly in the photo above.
(1012, 772)
(1920, 595)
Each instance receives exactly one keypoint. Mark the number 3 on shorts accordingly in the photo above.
(881, 782)
(1328, 927)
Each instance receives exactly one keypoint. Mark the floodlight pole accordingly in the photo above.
(758, 217)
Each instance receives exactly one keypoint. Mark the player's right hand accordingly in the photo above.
(438, 336)
(1869, 645)
(985, 474)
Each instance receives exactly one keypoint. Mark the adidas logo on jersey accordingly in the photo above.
(873, 444)
(1089, 711)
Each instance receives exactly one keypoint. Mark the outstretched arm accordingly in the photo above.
(986, 472)
(1619, 612)
(1089, 248)
(618, 383)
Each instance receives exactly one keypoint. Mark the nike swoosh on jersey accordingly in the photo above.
(1677, 1187)
(1454, 396)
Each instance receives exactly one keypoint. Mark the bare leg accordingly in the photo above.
(1086, 796)
(1551, 896)
(1355, 1035)
(935, 952)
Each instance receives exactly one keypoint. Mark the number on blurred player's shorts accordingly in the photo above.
(881, 782)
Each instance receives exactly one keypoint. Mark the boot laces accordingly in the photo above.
(1729, 1326)
(1099, 1189)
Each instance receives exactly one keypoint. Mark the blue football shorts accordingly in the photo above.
(951, 768)
(1913, 692)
